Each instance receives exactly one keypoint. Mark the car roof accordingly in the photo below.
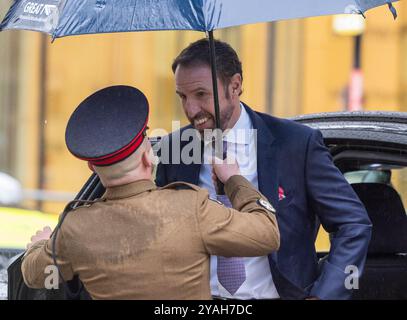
(378, 128)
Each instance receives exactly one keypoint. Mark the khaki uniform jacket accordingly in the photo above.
(144, 242)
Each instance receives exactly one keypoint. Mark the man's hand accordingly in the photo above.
(224, 169)
(43, 234)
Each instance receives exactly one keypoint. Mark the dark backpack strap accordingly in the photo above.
(74, 287)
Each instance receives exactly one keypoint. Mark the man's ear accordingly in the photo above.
(90, 166)
(236, 84)
(146, 159)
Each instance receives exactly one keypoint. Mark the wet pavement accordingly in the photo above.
(6, 256)
(3, 278)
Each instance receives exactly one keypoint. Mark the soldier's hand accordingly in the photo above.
(224, 169)
(43, 234)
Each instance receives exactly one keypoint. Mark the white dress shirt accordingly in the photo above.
(241, 142)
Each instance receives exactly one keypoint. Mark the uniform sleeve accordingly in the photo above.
(247, 230)
(39, 257)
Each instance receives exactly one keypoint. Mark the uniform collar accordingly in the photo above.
(129, 190)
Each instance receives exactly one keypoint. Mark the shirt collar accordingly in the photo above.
(129, 190)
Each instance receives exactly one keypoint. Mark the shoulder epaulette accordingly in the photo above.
(76, 204)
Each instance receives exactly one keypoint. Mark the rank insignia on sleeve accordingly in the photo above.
(216, 200)
(266, 205)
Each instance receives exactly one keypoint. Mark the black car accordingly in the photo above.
(370, 149)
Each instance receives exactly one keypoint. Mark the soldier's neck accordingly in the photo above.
(128, 178)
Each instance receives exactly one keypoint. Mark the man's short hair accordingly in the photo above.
(197, 53)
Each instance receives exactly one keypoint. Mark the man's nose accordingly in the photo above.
(192, 108)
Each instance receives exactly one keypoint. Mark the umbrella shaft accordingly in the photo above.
(214, 78)
(212, 55)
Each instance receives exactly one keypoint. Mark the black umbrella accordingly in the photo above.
(61, 18)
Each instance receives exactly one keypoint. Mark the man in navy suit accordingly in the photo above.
(293, 169)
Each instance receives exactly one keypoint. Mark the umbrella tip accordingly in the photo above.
(392, 10)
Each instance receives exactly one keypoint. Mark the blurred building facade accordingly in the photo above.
(290, 68)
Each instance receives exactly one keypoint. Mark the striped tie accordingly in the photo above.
(231, 271)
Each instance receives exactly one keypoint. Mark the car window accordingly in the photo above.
(395, 176)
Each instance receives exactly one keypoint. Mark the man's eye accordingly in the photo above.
(200, 94)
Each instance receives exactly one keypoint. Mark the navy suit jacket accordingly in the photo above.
(293, 156)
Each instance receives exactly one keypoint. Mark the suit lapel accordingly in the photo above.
(189, 172)
(267, 161)
(268, 149)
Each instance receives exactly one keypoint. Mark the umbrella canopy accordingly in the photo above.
(61, 18)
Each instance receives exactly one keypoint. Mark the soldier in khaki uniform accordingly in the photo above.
(139, 241)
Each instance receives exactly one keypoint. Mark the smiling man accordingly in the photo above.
(290, 165)
(195, 91)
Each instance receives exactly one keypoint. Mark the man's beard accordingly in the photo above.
(225, 116)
